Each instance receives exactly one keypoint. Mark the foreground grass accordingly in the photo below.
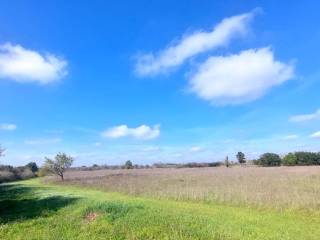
(32, 210)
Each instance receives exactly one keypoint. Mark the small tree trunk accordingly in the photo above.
(62, 177)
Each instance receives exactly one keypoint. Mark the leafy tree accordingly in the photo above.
(128, 165)
(290, 159)
(307, 158)
(59, 165)
(269, 159)
(241, 157)
(32, 166)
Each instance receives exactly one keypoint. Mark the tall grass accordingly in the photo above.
(276, 187)
(29, 210)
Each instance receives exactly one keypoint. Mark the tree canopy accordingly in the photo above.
(59, 164)
(241, 157)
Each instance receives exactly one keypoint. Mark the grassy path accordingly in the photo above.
(31, 210)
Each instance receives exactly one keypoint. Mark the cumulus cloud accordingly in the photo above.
(8, 127)
(23, 65)
(193, 44)
(42, 141)
(315, 135)
(290, 137)
(239, 78)
(142, 132)
(306, 117)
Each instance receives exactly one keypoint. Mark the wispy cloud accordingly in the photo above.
(315, 135)
(239, 78)
(196, 149)
(151, 149)
(142, 132)
(23, 65)
(97, 144)
(42, 141)
(193, 44)
(290, 137)
(8, 126)
(305, 117)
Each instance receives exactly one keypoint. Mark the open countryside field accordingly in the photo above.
(33, 210)
(272, 187)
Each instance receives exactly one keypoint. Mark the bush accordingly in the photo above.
(269, 159)
(9, 173)
(25, 173)
(128, 165)
(6, 176)
(290, 159)
(33, 167)
(43, 172)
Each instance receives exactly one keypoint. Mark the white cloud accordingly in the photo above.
(291, 137)
(315, 135)
(193, 44)
(306, 117)
(151, 149)
(24, 65)
(8, 127)
(142, 132)
(43, 141)
(196, 149)
(239, 78)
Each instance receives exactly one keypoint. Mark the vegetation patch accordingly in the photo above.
(111, 210)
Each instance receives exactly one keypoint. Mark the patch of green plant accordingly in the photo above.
(112, 210)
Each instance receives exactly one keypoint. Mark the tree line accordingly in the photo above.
(301, 158)
(61, 162)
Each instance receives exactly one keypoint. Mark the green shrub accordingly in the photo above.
(290, 159)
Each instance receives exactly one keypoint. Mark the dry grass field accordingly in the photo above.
(273, 187)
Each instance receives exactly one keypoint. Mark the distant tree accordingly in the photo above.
(128, 165)
(241, 157)
(226, 162)
(290, 159)
(32, 166)
(59, 164)
(269, 159)
(307, 158)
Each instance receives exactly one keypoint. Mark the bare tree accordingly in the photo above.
(59, 164)
(1, 151)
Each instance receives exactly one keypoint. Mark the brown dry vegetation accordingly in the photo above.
(276, 187)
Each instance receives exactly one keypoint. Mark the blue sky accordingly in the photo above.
(158, 81)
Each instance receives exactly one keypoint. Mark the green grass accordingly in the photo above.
(32, 210)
